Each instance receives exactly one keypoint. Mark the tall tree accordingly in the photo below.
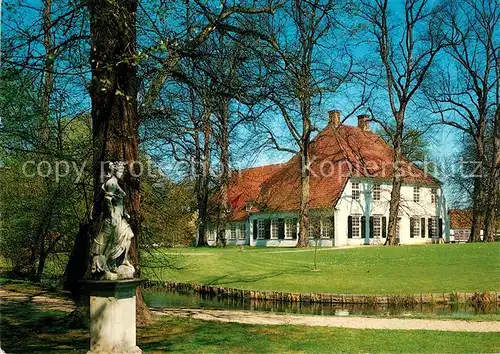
(406, 47)
(114, 110)
(190, 55)
(303, 73)
(41, 48)
(466, 96)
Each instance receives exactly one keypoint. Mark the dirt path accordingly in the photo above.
(260, 318)
(43, 300)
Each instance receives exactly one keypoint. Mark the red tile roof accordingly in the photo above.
(245, 187)
(336, 155)
(460, 219)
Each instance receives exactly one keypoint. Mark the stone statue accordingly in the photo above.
(111, 246)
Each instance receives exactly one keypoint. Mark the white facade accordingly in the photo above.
(426, 207)
(363, 204)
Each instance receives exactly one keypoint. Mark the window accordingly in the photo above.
(414, 227)
(376, 192)
(232, 235)
(275, 226)
(416, 194)
(433, 195)
(261, 229)
(356, 226)
(290, 228)
(432, 228)
(243, 231)
(377, 226)
(355, 190)
(327, 227)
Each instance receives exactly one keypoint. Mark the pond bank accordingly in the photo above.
(475, 299)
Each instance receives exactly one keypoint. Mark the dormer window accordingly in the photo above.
(355, 190)
(248, 206)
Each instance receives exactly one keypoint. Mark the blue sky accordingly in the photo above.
(445, 139)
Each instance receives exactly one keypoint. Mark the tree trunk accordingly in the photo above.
(78, 262)
(477, 196)
(202, 174)
(304, 197)
(48, 73)
(392, 238)
(494, 188)
(48, 87)
(224, 170)
(114, 111)
(41, 263)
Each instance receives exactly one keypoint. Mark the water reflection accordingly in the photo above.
(161, 297)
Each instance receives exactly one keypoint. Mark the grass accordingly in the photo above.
(211, 337)
(365, 270)
(25, 328)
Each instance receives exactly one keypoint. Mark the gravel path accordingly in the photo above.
(261, 318)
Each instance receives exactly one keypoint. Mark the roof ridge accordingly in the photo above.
(257, 167)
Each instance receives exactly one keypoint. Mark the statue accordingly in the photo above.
(111, 246)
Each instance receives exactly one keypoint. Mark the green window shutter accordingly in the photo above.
(349, 226)
(371, 226)
(255, 229)
(422, 227)
(332, 220)
(294, 228)
(440, 226)
(384, 227)
(363, 226)
(267, 228)
(429, 228)
(412, 227)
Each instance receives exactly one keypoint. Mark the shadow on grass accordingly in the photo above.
(25, 328)
(228, 279)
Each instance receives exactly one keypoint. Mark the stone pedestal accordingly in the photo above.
(112, 316)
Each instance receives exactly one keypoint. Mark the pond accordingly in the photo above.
(160, 297)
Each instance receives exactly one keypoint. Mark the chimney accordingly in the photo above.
(363, 122)
(334, 118)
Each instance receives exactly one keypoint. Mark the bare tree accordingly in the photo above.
(201, 19)
(406, 49)
(305, 68)
(466, 95)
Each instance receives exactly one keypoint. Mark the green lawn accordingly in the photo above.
(365, 270)
(25, 328)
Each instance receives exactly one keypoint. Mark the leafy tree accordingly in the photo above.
(46, 188)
